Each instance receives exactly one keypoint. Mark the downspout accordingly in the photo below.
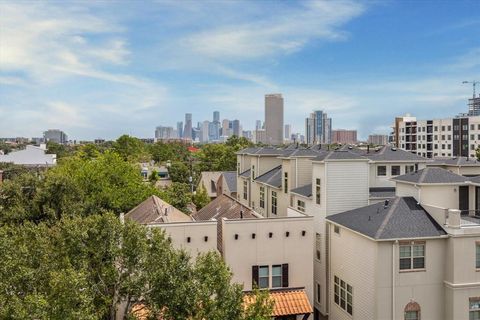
(296, 172)
(419, 193)
(393, 278)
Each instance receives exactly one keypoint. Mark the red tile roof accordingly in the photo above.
(286, 302)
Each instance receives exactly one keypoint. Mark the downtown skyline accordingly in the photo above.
(126, 69)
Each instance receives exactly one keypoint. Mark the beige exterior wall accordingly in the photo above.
(445, 196)
(384, 181)
(197, 231)
(245, 252)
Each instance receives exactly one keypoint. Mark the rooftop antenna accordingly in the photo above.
(474, 83)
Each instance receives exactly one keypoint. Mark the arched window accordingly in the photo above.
(412, 311)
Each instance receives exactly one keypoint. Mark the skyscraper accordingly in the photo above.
(236, 130)
(180, 129)
(164, 133)
(216, 116)
(226, 132)
(258, 124)
(55, 135)
(288, 132)
(187, 133)
(274, 119)
(474, 106)
(318, 128)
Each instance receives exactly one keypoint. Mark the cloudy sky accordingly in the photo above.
(104, 68)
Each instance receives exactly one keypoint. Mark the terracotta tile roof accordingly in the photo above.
(286, 302)
(155, 210)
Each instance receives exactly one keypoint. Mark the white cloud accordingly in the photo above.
(275, 31)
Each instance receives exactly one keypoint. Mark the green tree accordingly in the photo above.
(6, 148)
(178, 195)
(179, 172)
(60, 150)
(153, 177)
(83, 267)
(201, 198)
(170, 151)
(131, 149)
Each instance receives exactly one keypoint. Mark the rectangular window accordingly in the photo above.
(412, 315)
(336, 229)
(443, 128)
(472, 147)
(262, 197)
(449, 128)
(285, 182)
(381, 171)
(277, 276)
(409, 168)
(343, 295)
(319, 294)
(238, 167)
(472, 127)
(474, 309)
(412, 256)
(395, 170)
(318, 190)
(263, 277)
(477, 255)
(443, 137)
(318, 246)
(472, 137)
(274, 202)
(245, 190)
(253, 172)
(301, 205)
(465, 127)
(435, 128)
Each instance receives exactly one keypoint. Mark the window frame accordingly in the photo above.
(342, 292)
(262, 197)
(378, 171)
(285, 182)
(412, 258)
(473, 306)
(318, 191)
(477, 255)
(260, 277)
(274, 203)
(300, 207)
(397, 167)
(245, 190)
(278, 276)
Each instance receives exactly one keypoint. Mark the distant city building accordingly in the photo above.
(196, 134)
(187, 132)
(449, 137)
(38, 140)
(318, 128)
(205, 130)
(236, 128)
(214, 131)
(247, 134)
(378, 139)
(274, 119)
(55, 135)
(288, 132)
(474, 106)
(396, 128)
(165, 133)
(99, 141)
(180, 129)
(344, 136)
(216, 116)
(259, 136)
(226, 132)
(258, 124)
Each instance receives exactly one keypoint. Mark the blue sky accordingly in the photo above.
(101, 69)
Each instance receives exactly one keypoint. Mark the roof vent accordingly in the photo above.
(369, 218)
(394, 149)
(386, 203)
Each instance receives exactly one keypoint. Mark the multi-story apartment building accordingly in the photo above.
(451, 137)
(344, 136)
(274, 119)
(378, 139)
(187, 131)
(269, 253)
(318, 182)
(416, 256)
(474, 106)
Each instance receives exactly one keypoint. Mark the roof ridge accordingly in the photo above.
(423, 175)
(268, 172)
(387, 218)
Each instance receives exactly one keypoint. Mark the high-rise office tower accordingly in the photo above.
(187, 133)
(164, 133)
(258, 124)
(55, 135)
(236, 129)
(274, 119)
(318, 128)
(216, 116)
(180, 129)
(226, 128)
(204, 131)
(288, 132)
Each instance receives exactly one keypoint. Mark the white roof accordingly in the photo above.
(30, 156)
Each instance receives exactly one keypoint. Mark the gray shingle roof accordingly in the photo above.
(231, 180)
(403, 218)
(388, 153)
(457, 161)
(155, 210)
(382, 192)
(303, 153)
(272, 178)
(223, 207)
(339, 155)
(431, 175)
(305, 190)
(245, 173)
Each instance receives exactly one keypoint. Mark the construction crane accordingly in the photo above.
(474, 83)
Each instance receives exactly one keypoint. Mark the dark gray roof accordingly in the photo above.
(250, 150)
(401, 218)
(431, 175)
(303, 153)
(305, 191)
(231, 180)
(382, 192)
(272, 178)
(339, 155)
(245, 173)
(388, 153)
(457, 161)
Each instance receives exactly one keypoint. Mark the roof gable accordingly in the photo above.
(431, 175)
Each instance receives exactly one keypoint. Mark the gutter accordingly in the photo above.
(393, 278)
